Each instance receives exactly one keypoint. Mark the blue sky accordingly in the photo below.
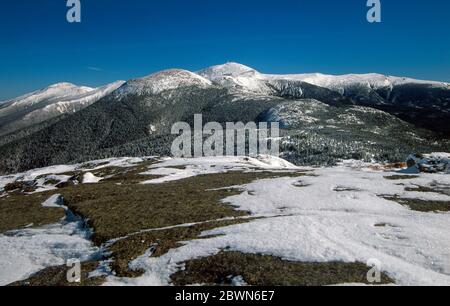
(125, 39)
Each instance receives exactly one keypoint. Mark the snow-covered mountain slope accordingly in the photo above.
(315, 132)
(137, 117)
(59, 91)
(341, 82)
(425, 104)
(238, 74)
(241, 79)
(50, 102)
(162, 81)
(310, 114)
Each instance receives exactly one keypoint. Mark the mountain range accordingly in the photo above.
(324, 118)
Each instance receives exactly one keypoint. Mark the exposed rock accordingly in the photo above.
(21, 186)
(429, 163)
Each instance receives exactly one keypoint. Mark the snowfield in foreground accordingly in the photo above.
(25, 252)
(334, 215)
(330, 214)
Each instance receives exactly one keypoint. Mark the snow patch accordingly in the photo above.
(28, 251)
(55, 201)
(90, 178)
(213, 165)
(311, 219)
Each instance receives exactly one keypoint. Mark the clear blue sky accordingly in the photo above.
(124, 39)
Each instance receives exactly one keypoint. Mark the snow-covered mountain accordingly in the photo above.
(59, 90)
(47, 103)
(351, 116)
(235, 74)
(341, 82)
(415, 101)
(162, 81)
(425, 104)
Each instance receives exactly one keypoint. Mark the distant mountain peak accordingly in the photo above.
(62, 85)
(58, 90)
(162, 81)
(49, 102)
(173, 73)
(230, 69)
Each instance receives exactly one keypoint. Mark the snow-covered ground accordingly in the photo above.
(30, 250)
(54, 172)
(329, 214)
(336, 214)
(170, 168)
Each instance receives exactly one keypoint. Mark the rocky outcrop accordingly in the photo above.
(429, 163)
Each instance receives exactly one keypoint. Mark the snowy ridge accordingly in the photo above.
(227, 70)
(72, 104)
(50, 102)
(56, 91)
(64, 98)
(340, 82)
(241, 75)
(161, 81)
(237, 76)
(231, 75)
